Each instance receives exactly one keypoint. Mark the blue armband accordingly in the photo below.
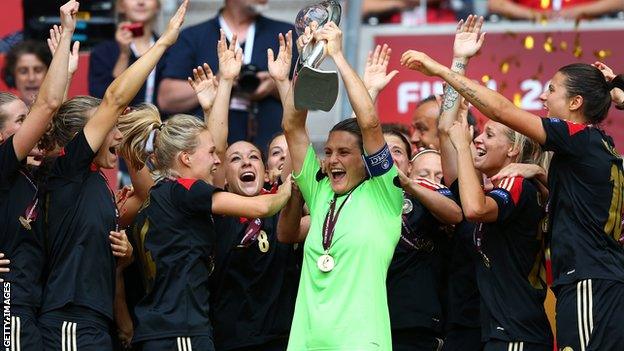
(378, 163)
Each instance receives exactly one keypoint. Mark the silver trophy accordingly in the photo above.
(315, 89)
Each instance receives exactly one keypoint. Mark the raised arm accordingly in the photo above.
(74, 55)
(440, 206)
(52, 89)
(293, 224)
(376, 76)
(293, 120)
(494, 105)
(468, 41)
(260, 206)
(361, 102)
(123, 89)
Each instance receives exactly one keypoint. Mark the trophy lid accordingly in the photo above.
(322, 12)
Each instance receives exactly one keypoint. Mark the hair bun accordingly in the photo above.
(617, 82)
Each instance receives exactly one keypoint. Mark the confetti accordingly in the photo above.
(563, 45)
(504, 67)
(485, 78)
(517, 99)
(602, 54)
(529, 42)
(548, 44)
(544, 4)
(578, 51)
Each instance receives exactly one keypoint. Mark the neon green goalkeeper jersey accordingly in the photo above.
(346, 308)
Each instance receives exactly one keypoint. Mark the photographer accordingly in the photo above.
(255, 111)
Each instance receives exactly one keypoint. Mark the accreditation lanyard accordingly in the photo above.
(249, 39)
(150, 84)
(331, 218)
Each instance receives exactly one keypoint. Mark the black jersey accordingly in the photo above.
(254, 285)
(175, 233)
(463, 299)
(586, 184)
(416, 275)
(21, 239)
(509, 273)
(80, 213)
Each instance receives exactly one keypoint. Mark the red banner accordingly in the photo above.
(518, 65)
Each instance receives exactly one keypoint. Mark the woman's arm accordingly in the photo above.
(125, 87)
(293, 120)
(441, 207)
(476, 206)
(361, 102)
(74, 55)
(376, 76)
(293, 226)
(468, 41)
(492, 104)
(230, 204)
(129, 203)
(52, 89)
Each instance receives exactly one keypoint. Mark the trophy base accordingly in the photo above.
(315, 89)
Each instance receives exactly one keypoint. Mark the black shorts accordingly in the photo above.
(590, 315)
(75, 328)
(181, 343)
(463, 339)
(25, 334)
(415, 339)
(499, 345)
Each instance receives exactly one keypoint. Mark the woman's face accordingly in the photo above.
(139, 10)
(15, 112)
(428, 166)
(244, 169)
(203, 161)
(494, 150)
(29, 74)
(106, 156)
(343, 161)
(555, 97)
(277, 154)
(398, 152)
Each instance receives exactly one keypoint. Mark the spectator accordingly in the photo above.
(256, 34)
(569, 9)
(26, 65)
(134, 36)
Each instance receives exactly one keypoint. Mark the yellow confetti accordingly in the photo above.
(602, 54)
(578, 51)
(544, 4)
(83, 15)
(543, 20)
(503, 86)
(485, 78)
(504, 67)
(529, 42)
(517, 99)
(548, 44)
(563, 45)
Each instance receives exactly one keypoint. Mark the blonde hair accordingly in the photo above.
(70, 119)
(529, 151)
(5, 98)
(179, 133)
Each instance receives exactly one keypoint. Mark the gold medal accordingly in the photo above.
(263, 242)
(25, 222)
(325, 263)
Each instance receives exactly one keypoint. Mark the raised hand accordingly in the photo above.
(230, 58)
(606, 71)
(74, 55)
(468, 37)
(376, 75)
(68, 15)
(418, 61)
(460, 133)
(306, 36)
(333, 36)
(205, 85)
(279, 67)
(175, 23)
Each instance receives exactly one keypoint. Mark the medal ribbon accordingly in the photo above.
(251, 232)
(331, 218)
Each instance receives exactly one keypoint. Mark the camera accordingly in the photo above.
(248, 82)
